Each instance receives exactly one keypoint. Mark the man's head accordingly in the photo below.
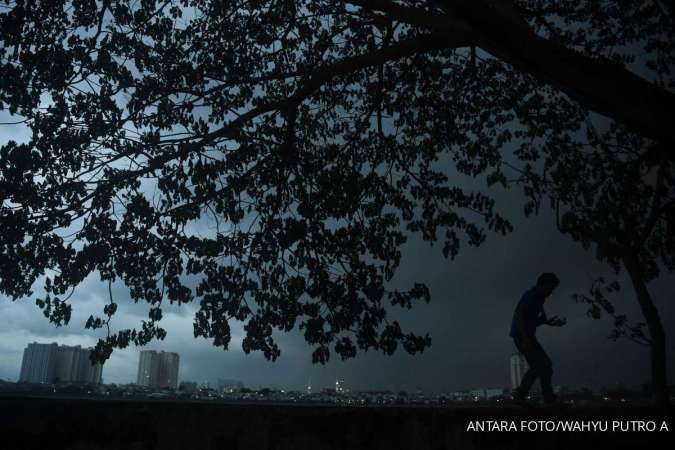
(546, 283)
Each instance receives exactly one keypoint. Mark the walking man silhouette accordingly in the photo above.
(529, 314)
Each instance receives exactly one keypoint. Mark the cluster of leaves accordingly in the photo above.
(278, 152)
(624, 31)
(598, 301)
(612, 191)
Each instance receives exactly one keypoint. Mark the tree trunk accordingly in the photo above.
(656, 332)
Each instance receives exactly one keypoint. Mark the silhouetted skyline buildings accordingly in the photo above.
(51, 363)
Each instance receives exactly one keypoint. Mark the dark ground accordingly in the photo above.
(70, 423)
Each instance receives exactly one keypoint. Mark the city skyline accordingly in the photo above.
(159, 370)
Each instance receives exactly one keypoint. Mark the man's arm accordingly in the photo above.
(553, 321)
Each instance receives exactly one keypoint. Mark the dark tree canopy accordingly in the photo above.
(312, 137)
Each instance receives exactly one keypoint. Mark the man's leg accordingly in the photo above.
(545, 370)
(532, 371)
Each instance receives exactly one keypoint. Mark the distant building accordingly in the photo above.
(74, 366)
(486, 394)
(168, 370)
(69, 364)
(494, 392)
(51, 363)
(227, 385)
(518, 369)
(38, 363)
(460, 395)
(339, 386)
(158, 369)
(477, 394)
(148, 366)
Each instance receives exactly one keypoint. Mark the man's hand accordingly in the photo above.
(555, 321)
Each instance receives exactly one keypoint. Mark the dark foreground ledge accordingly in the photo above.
(58, 423)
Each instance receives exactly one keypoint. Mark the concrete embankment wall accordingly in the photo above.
(53, 423)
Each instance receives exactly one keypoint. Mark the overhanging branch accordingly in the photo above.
(598, 84)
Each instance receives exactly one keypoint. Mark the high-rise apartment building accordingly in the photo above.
(158, 369)
(147, 369)
(38, 363)
(52, 363)
(168, 370)
(518, 369)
